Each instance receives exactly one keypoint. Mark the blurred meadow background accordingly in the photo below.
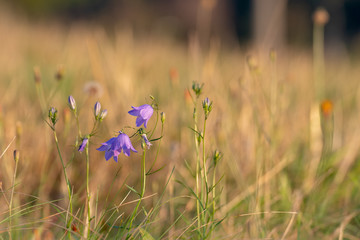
(279, 156)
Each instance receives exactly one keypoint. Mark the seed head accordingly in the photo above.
(321, 16)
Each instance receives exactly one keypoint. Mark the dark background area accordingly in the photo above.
(230, 18)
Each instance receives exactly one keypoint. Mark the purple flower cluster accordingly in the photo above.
(116, 145)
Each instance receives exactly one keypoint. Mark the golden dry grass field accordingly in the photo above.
(290, 160)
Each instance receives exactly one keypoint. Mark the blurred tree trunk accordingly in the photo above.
(269, 24)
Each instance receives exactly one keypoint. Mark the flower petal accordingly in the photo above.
(139, 121)
(109, 154)
(126, 151)
(146, 112)
(104, 147)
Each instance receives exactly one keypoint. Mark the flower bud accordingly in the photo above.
(197, 88)
(97, 109)
(145, 142)
(83, 144)
(162, 117)
(216, 157)
(72, 103)
(207, 106)
(103, 114)
(53, 115)
(16, 155)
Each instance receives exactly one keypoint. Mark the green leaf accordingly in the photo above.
(132, 189)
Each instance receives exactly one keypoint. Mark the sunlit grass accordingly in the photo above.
(289, 163)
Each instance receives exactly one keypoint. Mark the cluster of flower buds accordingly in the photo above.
(99, 115)
(207, 106)
(197, 88)
(216, 157)
(53, 115)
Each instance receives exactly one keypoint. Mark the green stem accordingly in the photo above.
(213, 192)
(40, 93)
(143, 180)
(205, 174)
(197, 169)
(157, 151)
(11, 197)
(68, 225)
(77, 124)
(88, 188)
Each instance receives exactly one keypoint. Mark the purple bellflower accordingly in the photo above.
(83, 144)
(143, 114)
(115, 145)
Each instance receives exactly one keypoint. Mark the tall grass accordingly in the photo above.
(271, 160)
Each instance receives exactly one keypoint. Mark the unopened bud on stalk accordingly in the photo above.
(197, 88)
(53, 115)
(97, 109)
(145, 142)
(199, 137)
(162, 117)
(103, 114)
(72, 103)
(216, 157)
(207, 106)
(16, 155)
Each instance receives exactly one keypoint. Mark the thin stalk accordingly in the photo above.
(197, 169)
(206, 194)
(157, 150)
(143, 180)
(88, 188)
(12, 196)
(68, 225)
(213, 192)
(40, 93)
(78, 125)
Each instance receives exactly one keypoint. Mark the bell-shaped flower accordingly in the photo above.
(143, 114)
(115, 145)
